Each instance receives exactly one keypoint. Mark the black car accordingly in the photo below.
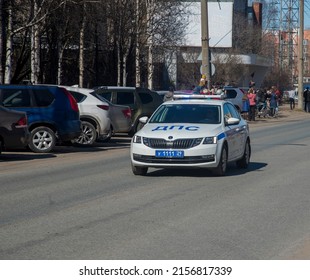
(14, 131)
(142, 102)
(52, 112)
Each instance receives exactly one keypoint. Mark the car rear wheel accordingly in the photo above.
(245, 160)
(220, 170)
(108, 137)
(88, 135)
(42, 140)
(138, 170)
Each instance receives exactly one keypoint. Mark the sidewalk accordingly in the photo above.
(285, 114)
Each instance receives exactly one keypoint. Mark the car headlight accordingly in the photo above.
(210, 140)
(137, 139)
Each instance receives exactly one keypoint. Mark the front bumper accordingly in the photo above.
(206, 155)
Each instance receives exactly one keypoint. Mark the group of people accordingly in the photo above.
(306, 97)
(267, 98)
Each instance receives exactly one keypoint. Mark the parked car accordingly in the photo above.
(120, 116)
(234, 95)
(94, 115)
(14, 131)
(193, 133)
(142, 102)
(52, 112)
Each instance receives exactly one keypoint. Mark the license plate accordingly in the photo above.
(169, 154)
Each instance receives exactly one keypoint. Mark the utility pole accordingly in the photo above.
(205, 67)
(301, 55)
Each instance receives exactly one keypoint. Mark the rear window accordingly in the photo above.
(16, 97)
(105, 95)
(230, 93)
(79, 97)
(125, 98)
(145, 97)
(43, 97)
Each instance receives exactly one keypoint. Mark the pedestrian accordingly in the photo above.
(273, 103)
(252, 101)
(307, 100)
(245, 106)
(291, 96)
(202, 85)
(169, 95)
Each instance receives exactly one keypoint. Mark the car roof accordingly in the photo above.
(198, 101)
(115, 88)
(32, 86)
(78, 89)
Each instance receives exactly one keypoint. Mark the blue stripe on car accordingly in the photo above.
(221, 136)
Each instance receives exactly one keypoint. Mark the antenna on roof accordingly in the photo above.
(219, 2)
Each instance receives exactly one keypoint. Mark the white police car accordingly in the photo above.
(191, 133)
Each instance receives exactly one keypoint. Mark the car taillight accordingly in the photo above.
(73, 103)
(127, 113)
(22, 122)
(103, 107)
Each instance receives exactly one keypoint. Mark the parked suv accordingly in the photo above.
(143, 102)
(234, 95)
(94, 114)
(52, 113)
(14, 131)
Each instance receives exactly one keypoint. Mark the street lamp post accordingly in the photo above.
(205, 67)
(301, 55)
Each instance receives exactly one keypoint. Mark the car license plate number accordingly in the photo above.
(169, 154)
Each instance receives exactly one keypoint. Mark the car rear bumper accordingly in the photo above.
(74, 132)
(17, 138)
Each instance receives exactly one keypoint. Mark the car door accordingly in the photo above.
(232, 133)
(239, 131)
(127, 98)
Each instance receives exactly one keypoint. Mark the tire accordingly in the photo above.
(88, 136)
(42, 140)
(108, 137)
(220, 170)
(245, 160)
(138, 170)
(0, 146)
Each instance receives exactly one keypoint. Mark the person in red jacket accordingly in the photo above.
(252, 101)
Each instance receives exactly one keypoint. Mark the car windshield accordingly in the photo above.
(187, 113)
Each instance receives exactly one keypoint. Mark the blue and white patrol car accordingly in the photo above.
(191, 133)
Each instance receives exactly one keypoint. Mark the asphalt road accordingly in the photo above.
(86, 203)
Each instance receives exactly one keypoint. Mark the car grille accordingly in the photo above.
(185, 160)
(157, 143)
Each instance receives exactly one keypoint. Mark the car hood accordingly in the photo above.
(184, 130)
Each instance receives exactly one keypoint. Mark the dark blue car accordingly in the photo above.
(52, 112)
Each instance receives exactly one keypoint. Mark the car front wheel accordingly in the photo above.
(138, 170)
(42, 140)
(220, 170)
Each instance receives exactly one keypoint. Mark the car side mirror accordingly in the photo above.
(143, 120)
(232, 121)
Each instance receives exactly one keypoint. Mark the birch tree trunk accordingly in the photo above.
(119, 63)
(9, 46)
(1, 40)
(137, 60)
(150, 9)
(61, 49)
(35, 49)
(81, 54)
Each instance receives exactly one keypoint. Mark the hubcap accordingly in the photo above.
(42, 140)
